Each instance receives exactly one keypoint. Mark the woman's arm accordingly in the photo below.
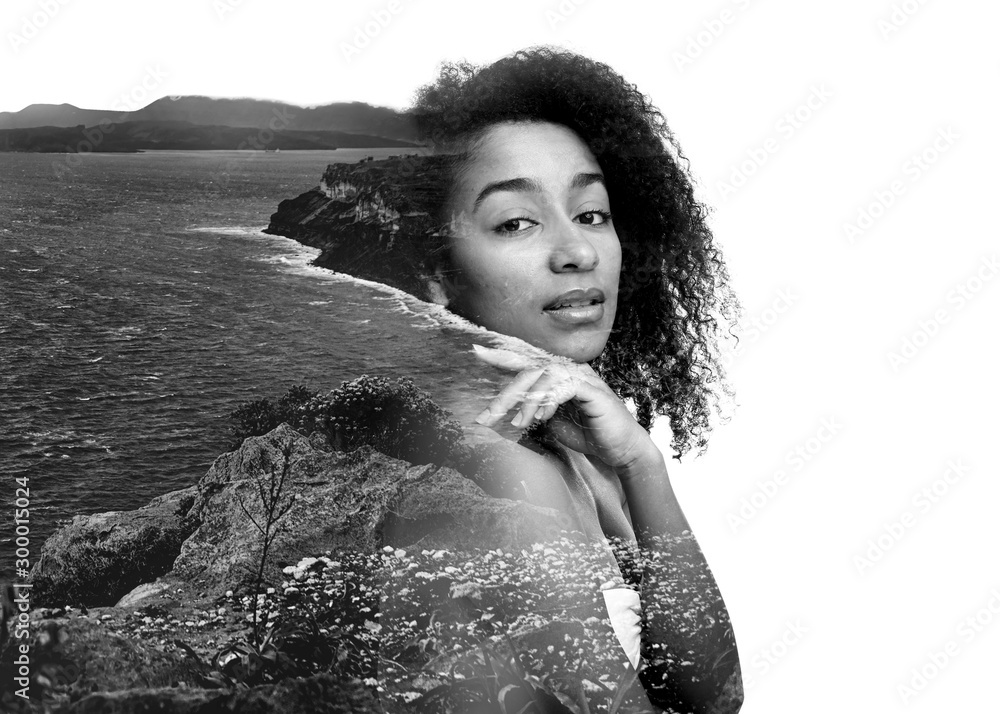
(690, 661)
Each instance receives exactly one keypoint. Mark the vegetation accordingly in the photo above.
(274, 499)
(490, 631)
(394, 417)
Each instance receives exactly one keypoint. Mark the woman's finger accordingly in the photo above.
(505, 359)
(534, 401)
(512, 395)
(555, 387)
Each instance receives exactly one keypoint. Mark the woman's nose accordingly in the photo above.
(572, 250)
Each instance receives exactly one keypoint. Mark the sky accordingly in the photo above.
(847, 153)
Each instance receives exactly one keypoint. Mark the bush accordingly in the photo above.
(395, 418)
(261, 416)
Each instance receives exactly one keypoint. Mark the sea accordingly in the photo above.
(141, 303)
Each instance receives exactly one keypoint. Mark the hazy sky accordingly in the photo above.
(88, 52)
(848, 151)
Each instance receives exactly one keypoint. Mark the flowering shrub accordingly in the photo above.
(395, 418)
(258, 417)
(485, 630)
(438, 630)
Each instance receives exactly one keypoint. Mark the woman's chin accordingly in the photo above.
(579, 348)
(580, 344)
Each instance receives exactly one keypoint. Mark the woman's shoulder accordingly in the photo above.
(594, 485)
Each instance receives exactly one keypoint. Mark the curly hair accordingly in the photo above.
(674, 296)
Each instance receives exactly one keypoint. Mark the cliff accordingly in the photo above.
(377, 563)
(132, 609)
(373, 219)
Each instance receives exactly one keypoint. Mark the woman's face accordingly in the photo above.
(534, 253)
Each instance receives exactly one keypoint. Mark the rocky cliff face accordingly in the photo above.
(359, 501)
(375, 219)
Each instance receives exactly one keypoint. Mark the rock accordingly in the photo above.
(373, 219)
(142, 593)
(200, 544)
(319, 694)
(361, 501)
(165, 700)
(89, 656)
(97, 559)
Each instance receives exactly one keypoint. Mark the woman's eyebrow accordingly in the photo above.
(581, 180)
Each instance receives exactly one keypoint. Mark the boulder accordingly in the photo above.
(319, 694)
(209, 536)
(153, 650)
(86, 654)
(98, 558)
(360, 501)
(164, 700)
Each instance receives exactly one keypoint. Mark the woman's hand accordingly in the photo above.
(583, 412)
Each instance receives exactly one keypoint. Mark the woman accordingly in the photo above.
(570, 225)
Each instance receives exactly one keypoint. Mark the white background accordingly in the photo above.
(819, 630)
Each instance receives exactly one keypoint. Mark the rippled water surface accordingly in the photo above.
(140, 303)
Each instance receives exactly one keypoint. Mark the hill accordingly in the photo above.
(349, 117)
(178, 135)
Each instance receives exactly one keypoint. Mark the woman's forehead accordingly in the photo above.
(548, 154)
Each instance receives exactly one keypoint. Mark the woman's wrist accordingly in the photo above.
(652, 504)
(643, 461)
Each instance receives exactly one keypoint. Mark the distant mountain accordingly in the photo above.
(351, 117)
(49, 115)
(178, 135)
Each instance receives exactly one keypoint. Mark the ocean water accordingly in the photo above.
(140, 303)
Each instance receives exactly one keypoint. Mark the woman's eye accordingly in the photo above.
(594, 218)
(514, 225)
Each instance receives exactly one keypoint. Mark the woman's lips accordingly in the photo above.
(577, 314)
(578, 297)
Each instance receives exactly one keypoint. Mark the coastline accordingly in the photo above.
(167, 584)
